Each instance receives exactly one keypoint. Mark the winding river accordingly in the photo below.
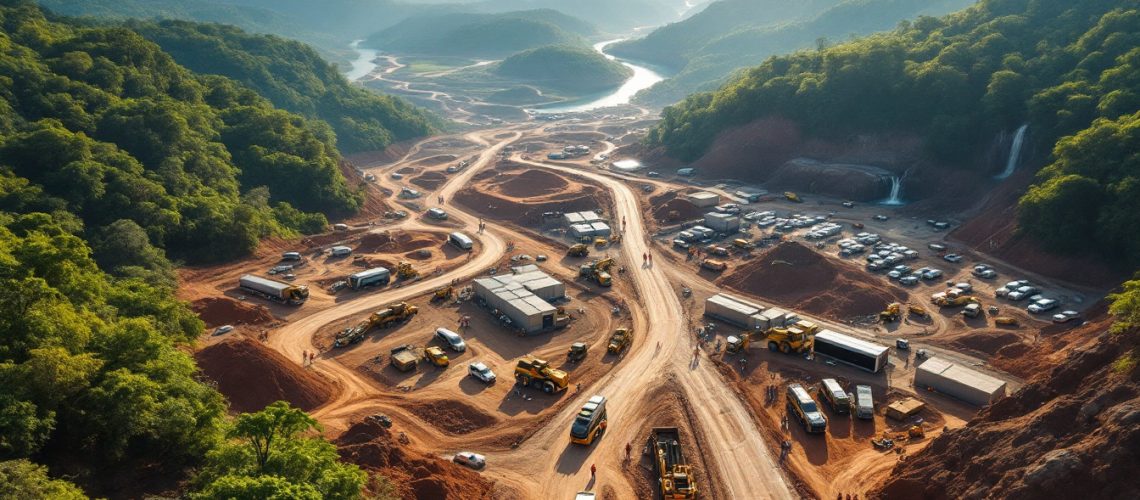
(364, 64)
(642, 78)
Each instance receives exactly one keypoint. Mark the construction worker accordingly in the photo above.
(593, 470)
(628, 450)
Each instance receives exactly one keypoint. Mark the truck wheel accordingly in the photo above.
(772, 346)
(548, 388)
(522, 380)
(537, 384)
(785, 348)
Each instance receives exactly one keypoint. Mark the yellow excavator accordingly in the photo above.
(598, 272)
(405, 271)
(443, 294)
(891, 313)
(793, 197)
(394, 313)
(579, 250)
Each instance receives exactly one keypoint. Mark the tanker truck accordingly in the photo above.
(274, 290)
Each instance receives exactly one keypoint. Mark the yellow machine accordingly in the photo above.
(598, 272)
(891, 313)
(714, 265)
(1006, 321)
(674, 474)
(436, 356)
(405, 271)
(600, 242)
(404, 358)
(578, 250)
(915, 432)
(736, 344)
(792, 197)
(797, 338)
(444, 293)
(615, 238)
(741, 243)
(947, 301)
(621, 339)
(537, 373)
(918, 311)
(394, 313)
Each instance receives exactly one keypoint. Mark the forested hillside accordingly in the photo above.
(565, 67)
(481, 35)
(708, 47)
(958, 81)
(294, 77)
(111, 157)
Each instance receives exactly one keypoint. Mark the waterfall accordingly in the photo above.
(896, 190)
(1014, 152)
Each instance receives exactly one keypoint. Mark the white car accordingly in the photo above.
(932, 274)
(952, 257)
(397, 176)
(1066, 316)
(937, 247)
(965, 287)
(470, 459)
(481, 372)
(908, 280)
(1042, 305)
(450, 339)
(223, 329)
(881, 217)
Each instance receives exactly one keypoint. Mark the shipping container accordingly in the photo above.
(731, 310)
(958, 381)
(855, 352)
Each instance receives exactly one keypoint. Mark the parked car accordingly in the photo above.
(937, 247)
(223, 329)
(470, 459)
(653, 174)
(952, 257)
(397, 176)
(908, 280)
(481, 372)
(450, 339)
(848, 204)
(964, 287)
(881, 217)
(932, 274)
(1042, 305)
(1066, 316)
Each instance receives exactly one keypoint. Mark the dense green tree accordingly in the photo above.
(23, 479)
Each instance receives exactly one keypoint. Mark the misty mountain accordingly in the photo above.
(481, 35)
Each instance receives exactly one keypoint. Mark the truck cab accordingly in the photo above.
(835, 396)
(801, 404)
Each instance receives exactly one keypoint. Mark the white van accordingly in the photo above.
(437, 213)
(864, 403)
(340, 251)
(461, 240)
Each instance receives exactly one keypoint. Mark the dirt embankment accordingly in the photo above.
(532, 183)
(430, 179)
(218, 311)
(252, 376)
(496, 194)
(1073, 432)
(451, 416)
(1052, 346)
(663, 205)
(397, 241)
(415, 475)
(994, 231)
(796, 276)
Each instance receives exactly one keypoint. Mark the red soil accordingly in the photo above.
(505, 209)
(416, 475)
(686, 210)
(397, 241)
(532, 183)
(451, 416)
(218, 311)
(406, 170)
(796, 276)
(252, 376)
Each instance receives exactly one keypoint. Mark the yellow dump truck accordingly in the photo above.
(598, 272)
(621, 339)
(891, 313)
(405, 271)
(714, 265)
(537, 373)
(797, 338)
(674, 474)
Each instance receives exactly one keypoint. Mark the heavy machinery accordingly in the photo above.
(405, 271)
(972, 310)
(590, 423)
(579, 250)
(615, 238)
(443, 293)
(793, 197)
(798, 338)
(741, 243)
(919, 311)
(714, 265)
(1006, 321)
(942, 300)
(406, 357)
(598, 272)
(915, 432)
(394, 313)
(537, 373)
(274, 290)
(674, 474)
(891, 313)
(621, 339)
(577, 352)
(736, 344)
(601, 242)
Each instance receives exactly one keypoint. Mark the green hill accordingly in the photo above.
(958, 81)
(707, 48)
(481, 35)
(563, 67)
(294, 77)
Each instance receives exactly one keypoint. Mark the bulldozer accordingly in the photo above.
(579, 250)
(798, 338)
(621, 339)
(915, 432)
(395, 312)
(443, 293)
(891, 313)
(537, 373)
(601, 242)
(405, 271)
(736, 344)
(577, 352)
(1006, 321)
(598, 272)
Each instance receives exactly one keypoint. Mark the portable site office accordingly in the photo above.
(855, 352)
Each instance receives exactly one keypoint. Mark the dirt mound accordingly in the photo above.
(429, 180)
(452, 416)
(436, 160)
(532, 183)
(397, 241)
(415, 475)
(417, 255)
(406, 170)
(685, 209)
(797, 276)
(498, 208)
(252, 376)
(1073, 432)
(989, 342)
(218, 311)
(1052, 345)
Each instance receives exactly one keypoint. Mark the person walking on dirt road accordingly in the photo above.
(628, 451)
(593, 471)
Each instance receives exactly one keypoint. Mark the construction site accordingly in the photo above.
(624, 331)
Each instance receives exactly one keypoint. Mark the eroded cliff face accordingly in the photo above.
(1071, 432)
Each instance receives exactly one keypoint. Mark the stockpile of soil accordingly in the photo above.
(1073, 432)
(429, 180)
(252, 376)
(1052, 344)
(452, 416)
(406, 170)
(218, 311)
(436, 160)
(532, 183)
(990, 342)
(504, 209)
(415, 475)
(685, 209)
(396, 241)
(796, 276)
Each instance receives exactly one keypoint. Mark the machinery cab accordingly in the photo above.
(577, 352)
(436, 357)
(621, 339)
